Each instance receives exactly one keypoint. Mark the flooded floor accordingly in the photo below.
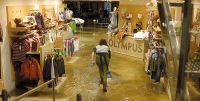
(129, 81)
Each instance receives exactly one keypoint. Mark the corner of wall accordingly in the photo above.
(6, 63)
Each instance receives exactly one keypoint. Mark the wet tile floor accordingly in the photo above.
(129, 81)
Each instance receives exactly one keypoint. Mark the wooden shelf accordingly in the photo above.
(33, 52)
(19, 29)
(157, 39)
(21, 36)
(30, 26)
(159, 47)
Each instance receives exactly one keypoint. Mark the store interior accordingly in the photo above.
(47, 49)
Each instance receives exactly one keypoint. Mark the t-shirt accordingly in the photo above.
(101, 49)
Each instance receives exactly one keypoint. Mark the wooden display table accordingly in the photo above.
(128, 46)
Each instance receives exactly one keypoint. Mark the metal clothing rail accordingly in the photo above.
(36, 89)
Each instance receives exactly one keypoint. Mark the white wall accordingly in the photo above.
(7, 69)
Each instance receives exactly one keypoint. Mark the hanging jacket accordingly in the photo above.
(153, 60)
(31, 70)
(73, 25)
(47, 69)
(19, 49)
(60, 65)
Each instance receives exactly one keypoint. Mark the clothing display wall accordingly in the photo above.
(34, 41)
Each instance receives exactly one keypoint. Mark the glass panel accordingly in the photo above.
(171, 36)
(193, 64)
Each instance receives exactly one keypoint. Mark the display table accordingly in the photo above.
(128, 46)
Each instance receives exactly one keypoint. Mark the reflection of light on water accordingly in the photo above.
(82, 83)
(125, 99)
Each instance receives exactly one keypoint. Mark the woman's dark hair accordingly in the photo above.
(103, 42)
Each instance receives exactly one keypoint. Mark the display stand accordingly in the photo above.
(128, 46)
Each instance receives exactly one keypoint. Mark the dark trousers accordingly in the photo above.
(102, 61)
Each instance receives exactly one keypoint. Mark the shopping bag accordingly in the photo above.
(109, 74)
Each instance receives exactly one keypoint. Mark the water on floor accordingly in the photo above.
(129, 82)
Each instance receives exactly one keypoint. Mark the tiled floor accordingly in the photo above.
(129, 81)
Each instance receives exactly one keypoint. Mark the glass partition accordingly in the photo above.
(171, 20)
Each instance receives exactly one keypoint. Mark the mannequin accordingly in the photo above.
(113, 26)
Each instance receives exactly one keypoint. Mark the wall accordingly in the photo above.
(7, 68)
(134, 7)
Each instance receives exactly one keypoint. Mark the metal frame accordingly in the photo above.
(185, 45)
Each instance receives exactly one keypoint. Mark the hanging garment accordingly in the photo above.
(147, 59)
(60, 65)
(52, 69)
(72, 46)
(69, 47)
(50, 66)
(65, 48)
(31, 69)
(70, 32)
(153, 63)
(39, 19)
(73, 26)
(69, 14)
(161, 66)
(76, 45)
(62, 16)
(17, 66)
(58, 52)
(78, 20)
(19, 49)
(50, 38)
